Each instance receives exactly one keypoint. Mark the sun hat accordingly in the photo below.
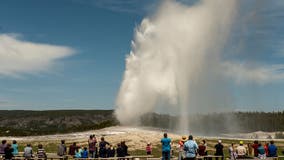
(183, 138)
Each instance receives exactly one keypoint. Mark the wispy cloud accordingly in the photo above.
(260, 74)
(124, 6)
(19, 57)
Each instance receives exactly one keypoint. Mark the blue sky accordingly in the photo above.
(90, 40)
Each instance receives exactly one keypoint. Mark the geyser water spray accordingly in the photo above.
(175, 58)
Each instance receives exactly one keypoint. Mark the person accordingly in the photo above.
(41, 152)
(255, 146)
(84, 153)
(166, 147)
(190, 147)
(272, 150)
(72, 149)
(96, 148)
(241, 151)
(149, 148)
(232, 152)
(78, 152)
(250, 149)
(3, 146)
(261, 152)
(181, 145)
(119, 151)
(8, 152)
(61, 151)
(201, 149)
(110, 151)
(124, 148)
(205, 144)
(92, 145)
(219, 149)
(102, 147)
(266, 149)
(15, 148)
(28, 151)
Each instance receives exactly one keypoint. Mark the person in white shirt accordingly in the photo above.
(241, 150)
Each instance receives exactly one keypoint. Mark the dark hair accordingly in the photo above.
(39, 146)
(102, 138)
(91, 136)
(190, 137)
(28, 144)
(272, 142)
(62, 141)
(14, 142)
(4, 141)
(74, 143)
(165, 135)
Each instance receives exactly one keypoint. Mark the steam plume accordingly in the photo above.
(175, 58)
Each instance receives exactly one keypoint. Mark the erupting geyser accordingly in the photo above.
(176, 58)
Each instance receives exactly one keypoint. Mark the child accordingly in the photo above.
(149, 148)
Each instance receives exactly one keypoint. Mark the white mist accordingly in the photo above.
(175, 58)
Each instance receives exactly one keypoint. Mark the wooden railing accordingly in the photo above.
(51, 156)
(68, 157)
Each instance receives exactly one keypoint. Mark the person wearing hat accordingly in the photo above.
(241, 150)
(219, 149)
(182, 141)
(181, 144)
(149, 148)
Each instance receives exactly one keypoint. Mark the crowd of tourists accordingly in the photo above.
(94, 149)
(189, 149)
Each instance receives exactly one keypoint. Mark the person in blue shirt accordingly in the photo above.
(272, 150)
(166, 147)
(78, 152)
(261, 152)
(84, 154)
(15, 148)
(190, 148)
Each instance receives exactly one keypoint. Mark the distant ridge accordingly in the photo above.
(29, 122)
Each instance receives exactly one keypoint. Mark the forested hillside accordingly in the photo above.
(217, 123)
(24, 123)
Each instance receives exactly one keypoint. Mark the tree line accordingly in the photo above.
(218, 123)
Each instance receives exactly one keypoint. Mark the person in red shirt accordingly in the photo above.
(266, 148)
(255, 146)
(201, 149)
(149, 148)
